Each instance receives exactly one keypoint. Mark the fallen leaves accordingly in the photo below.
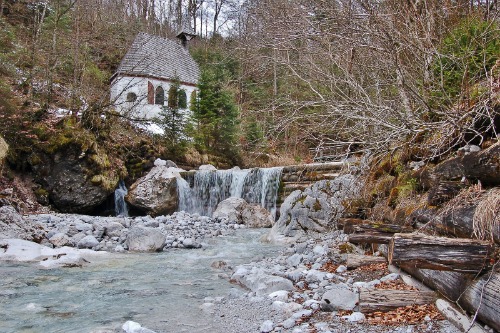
(411, 314)
(394, 285)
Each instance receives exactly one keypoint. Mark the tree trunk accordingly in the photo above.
(440, 253)
(386, 300)
(355, 261)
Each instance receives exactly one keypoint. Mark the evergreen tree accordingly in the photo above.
(216, 114)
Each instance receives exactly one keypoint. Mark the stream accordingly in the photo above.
(161, 291)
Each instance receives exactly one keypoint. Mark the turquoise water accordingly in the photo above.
(161, 291)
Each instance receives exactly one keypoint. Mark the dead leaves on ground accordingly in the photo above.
(411, 314)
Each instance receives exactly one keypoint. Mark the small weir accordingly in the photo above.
(200, 192)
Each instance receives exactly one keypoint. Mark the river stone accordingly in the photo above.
(230, 209)
(258, 281)
(340, 297)
(113, 229)
(87, 242)
(255, 216)
(142, 239)
(267, 326)
(155, 193)
(59, 239)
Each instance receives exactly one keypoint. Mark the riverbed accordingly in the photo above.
(162, 291)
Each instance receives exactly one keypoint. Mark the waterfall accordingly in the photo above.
(121, 208)
(202, 191)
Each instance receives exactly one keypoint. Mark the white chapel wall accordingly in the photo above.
(140, 108)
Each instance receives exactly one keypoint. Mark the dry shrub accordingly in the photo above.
(486, 221)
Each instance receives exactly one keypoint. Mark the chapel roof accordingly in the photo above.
(161, 58)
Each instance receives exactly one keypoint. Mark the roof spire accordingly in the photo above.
(186, 33)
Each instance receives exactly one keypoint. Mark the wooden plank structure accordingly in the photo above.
(440, 253)
(386, 300)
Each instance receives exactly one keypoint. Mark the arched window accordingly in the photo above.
(159, 96)
(182, 99)
(172, 97)
(131, 97)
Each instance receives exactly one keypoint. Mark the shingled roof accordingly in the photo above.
(160, 58)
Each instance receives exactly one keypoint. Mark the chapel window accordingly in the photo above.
(159, 96)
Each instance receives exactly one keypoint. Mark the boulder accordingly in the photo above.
(315, 209)
(230, 209)
(255, 216)
(155, 193)
(64, 174)
(113, 229)
(13, 225)
(141, 239)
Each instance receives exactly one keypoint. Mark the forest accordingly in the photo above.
(288, 80)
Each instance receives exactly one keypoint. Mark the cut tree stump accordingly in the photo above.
(386, 300)
(440, 253)
(355, 260)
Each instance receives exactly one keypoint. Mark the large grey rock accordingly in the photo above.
(340, 297)
(314, 210)
(155, 193)
(230, 209)
(113, 229)
(65, 175)
(142, 239)
(255, 216)
(13, 225)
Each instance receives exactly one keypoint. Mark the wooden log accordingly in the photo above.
(443, 192)
(387, 300)
(440, 253)
(373, 237)
(355, 260)
(357, 226)
(481, 295)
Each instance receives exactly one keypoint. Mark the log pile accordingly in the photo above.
(371, 232)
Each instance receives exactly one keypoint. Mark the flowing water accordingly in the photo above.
(162, 291)
(202, 191)
(121, 208)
